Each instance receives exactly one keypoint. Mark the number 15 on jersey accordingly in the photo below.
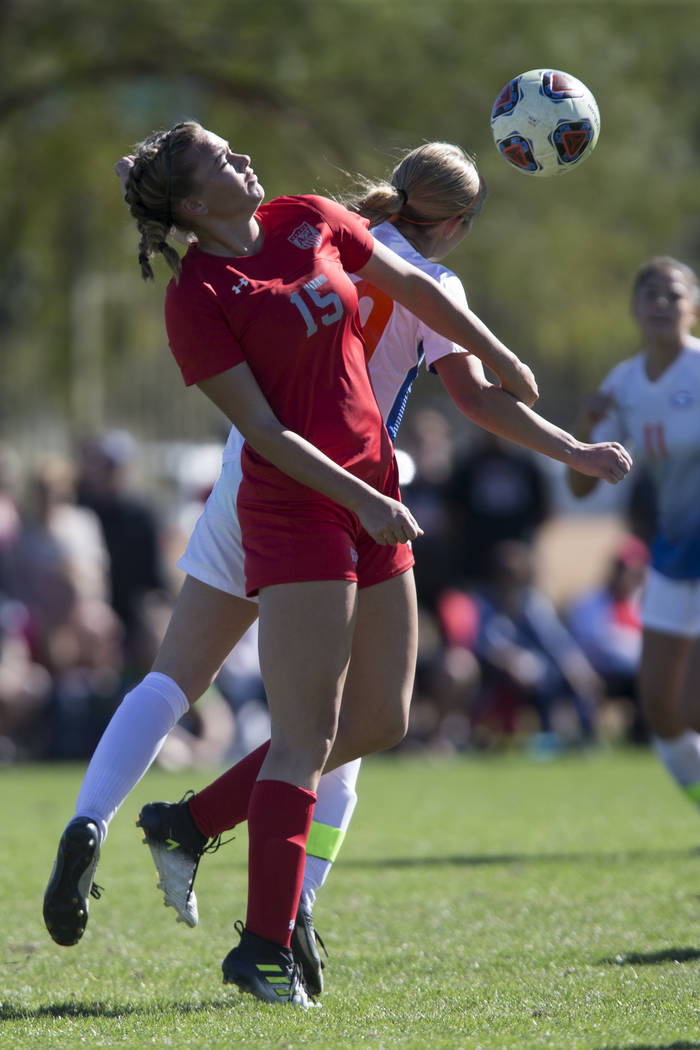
(328, 307)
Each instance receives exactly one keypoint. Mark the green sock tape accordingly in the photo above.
(324, 841)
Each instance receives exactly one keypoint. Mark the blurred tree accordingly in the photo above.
(314, 89)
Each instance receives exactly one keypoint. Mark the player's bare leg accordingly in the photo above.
(205, 625)
(671, 705)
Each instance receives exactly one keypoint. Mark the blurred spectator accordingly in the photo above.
(606, 623)
(130, 527)
(426, 436)
(642, 508)
(86, 679)
(57, 572)
(57, 558)
(203, 737)
(10, 518)
(528, 656)
(495, 492)
(447, 679)
(455, 674)
(240, 683)
(24, 690)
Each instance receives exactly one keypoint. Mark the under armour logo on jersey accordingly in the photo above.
(306, 236)
(238, 288)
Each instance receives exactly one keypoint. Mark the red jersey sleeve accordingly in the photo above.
(350, 232)
(200, 338)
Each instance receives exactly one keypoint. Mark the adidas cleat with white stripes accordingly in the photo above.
(266, 970)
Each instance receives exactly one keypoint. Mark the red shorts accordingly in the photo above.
(317, 540)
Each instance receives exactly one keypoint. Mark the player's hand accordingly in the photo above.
(387, 521)
(518, 379)
(607, 460)
(122, 168)
(593, 408)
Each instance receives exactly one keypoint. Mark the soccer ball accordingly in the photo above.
(545, 122)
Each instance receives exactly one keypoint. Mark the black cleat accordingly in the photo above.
(176, 845)
(305, 951)
(71, 882)
(265, 970)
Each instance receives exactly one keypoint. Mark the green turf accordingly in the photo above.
(477, 903)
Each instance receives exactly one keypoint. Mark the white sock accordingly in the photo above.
(335, 804)
(128, 746)
(681, 756)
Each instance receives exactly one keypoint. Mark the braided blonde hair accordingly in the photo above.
(162, 175)
(430, 184)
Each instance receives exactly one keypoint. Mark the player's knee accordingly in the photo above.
(390, 730)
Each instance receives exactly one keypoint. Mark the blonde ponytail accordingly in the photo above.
(429, 184)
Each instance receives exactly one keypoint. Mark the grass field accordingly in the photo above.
(477, 903)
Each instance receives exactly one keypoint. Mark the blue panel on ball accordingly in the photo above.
(507, 99)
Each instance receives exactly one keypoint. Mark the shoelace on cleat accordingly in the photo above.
(297, 979)
(217, 842)
(319, 940)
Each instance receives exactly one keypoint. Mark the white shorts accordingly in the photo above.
(214, 554)
(671, 606)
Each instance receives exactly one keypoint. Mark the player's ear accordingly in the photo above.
(453, 225)
(192, 206)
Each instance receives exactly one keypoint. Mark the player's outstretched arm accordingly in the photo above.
(425, 298)
(494, 409)
(593, 409)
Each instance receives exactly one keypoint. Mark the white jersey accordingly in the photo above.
(396, 341)
(234, 446)
(660, 421)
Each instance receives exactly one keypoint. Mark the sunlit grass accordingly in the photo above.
(477, 904)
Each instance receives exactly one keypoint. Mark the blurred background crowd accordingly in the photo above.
(519, 645)
(529, 607)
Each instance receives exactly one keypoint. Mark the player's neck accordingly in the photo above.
(225, 238)
(660, 354)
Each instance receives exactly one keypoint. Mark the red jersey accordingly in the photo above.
(291, 313)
